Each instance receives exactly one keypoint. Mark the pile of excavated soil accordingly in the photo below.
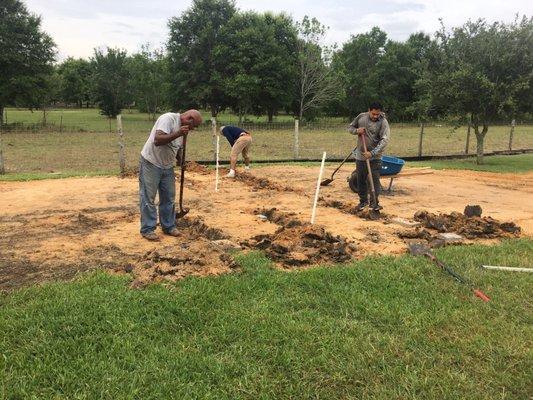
(303, 245)
(469, 227)
(262, 183)
(198, 257)
(193, 166)
(277, 217)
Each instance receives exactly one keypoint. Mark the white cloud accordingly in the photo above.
(79, 26)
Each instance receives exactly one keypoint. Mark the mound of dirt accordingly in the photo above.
(262, 183)
(195, 228)
(303, 245)
(193, 166)
(469, 227)
(198, 257)
(280, 218)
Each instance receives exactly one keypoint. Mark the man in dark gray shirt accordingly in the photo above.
(374, 127)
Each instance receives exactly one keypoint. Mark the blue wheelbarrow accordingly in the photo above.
(390, 168)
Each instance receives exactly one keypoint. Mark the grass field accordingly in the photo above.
(95, 150)
(381, 328)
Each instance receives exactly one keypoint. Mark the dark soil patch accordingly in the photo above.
(195, 227)
(469, 227)
(277, 217)
(303, 245)
(349, 208)
(262, 183)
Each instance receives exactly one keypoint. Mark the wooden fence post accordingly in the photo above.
(214, 136)
(513, 123)
(121, 155)
(420, 139)
(296, 139)
(2, 166)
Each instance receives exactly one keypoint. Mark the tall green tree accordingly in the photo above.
(257, 62)
(110, 78)
(316, 83)
(355, 65)
(75, 81)
(488, 72)
(148, 71)
(26, 55)
(194, 80)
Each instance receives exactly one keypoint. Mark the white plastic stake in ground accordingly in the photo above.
(510, 269)
(216, 168)
(313, 213)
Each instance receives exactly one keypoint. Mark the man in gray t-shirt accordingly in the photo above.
(156, 171)
(374, 127)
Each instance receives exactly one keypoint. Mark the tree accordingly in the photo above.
(488, 72)
(148, 71)
(26, 57)
(256, 60)
(194, 80)
(316, 82)
(355, 65)
(75, 81)
(110, 81)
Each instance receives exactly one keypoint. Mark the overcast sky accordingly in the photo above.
(78, 26)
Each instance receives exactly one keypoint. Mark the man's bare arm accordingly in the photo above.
(162, 138)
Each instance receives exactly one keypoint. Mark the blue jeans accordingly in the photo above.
(152, 180)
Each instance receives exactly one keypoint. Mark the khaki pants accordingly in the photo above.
(242, 145)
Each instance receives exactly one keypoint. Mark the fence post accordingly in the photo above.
(121, 155)
(513, 123)
(2, 166)
(61, 124)
(420, 139)
(296, 139)
(214, 137)
(467, 147)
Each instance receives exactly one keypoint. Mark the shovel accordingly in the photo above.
(420, 249)
(326, 182)
(183, 211)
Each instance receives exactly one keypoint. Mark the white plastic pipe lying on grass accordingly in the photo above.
(510, 269)
(313, 213)
(216, 170)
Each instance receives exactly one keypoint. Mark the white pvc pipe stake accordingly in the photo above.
(511, 269)
(313, 213)
(216, 169)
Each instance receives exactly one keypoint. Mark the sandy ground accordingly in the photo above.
(53, 229)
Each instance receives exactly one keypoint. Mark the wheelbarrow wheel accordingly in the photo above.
(352, 181)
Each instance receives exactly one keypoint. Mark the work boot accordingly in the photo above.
(173, 232)
(376, 207)
(231, 174)
(152, 236)
(247, 167)
(361, 206)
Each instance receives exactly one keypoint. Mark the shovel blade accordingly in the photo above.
(326, 182)
(182, 213)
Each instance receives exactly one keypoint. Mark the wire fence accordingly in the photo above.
(76, 142)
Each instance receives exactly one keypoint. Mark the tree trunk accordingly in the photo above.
(270, 115)
(1, 115)
(480, 139)
(467, 146)
(44, 116)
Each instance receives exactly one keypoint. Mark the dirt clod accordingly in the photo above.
(280, 218)
(196, 227)
(469, 227)
(472, 211)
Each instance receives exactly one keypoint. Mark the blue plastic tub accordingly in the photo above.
(391, 165)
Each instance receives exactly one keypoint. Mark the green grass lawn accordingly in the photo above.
(515, 164)
(382, 328)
